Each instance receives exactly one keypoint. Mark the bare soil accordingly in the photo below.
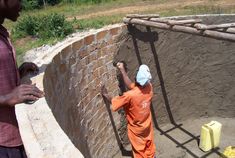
(147, 6)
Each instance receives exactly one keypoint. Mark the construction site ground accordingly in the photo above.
(182, 141)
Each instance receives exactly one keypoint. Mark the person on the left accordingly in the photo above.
(11, 91)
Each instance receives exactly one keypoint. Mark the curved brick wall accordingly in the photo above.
(72, 86)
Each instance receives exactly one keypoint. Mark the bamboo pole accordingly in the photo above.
(182, 22)
(228, 30)
(174, 22)
(185, 29)
(210, 27)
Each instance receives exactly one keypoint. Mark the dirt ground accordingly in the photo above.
(156, 6)
(182, 141)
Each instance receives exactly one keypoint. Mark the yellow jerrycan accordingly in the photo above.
(229, 152)
(210, 135)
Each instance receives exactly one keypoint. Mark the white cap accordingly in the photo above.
(143, 75)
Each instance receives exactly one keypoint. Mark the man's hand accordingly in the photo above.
(24, 93)
(27, 68)
(120, 66)
(105, 94)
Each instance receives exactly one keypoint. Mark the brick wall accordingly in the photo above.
(72, 85)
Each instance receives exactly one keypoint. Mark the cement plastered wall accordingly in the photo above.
(72, 85)
(192, 75)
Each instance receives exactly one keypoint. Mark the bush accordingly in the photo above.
(28, 25)
(52, 2)
(55, 25)
(37, 4)
(44, 27)
(31, 4)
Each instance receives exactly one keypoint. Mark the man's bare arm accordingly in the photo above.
(21, 94)
(126, 79)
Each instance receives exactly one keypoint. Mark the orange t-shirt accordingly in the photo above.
(136, 103)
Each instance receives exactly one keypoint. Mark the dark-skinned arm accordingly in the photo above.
(21, 94)
(126, 79)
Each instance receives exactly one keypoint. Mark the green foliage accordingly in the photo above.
(28, 25)
(43, 27)
(55, 25)
(97, 22)
(37, 4)
(53, 2)
(31, 4)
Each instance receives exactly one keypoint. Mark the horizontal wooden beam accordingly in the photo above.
(159, 20)
(228, 30)
(210, 27)
(180, 28)
(182, 22)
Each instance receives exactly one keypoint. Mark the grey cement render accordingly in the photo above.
(193, 76)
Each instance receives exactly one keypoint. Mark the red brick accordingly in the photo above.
(111, 41)
(101, 35)
(72, 60)
(57, 59)
(92, 47)
(95, 64)
(104, 51)
(66, 52)
(77, 45)
(63, 68)
(114, 31)
(103, 44)
(89, 39)
(83, 53)
(101, 62)
(97, 81)
(95, 74)
(124, 27)
(92, 56)
(99, 54)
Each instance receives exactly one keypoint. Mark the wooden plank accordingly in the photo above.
(180, 28)
(210, 27)
(142, 15)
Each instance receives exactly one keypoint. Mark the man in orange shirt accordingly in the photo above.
(136, 103)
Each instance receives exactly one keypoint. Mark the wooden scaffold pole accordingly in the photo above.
(191, 26)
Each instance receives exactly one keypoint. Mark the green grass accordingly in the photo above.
(194, 10)
(97, 22)
(72, 10)
(21, 49)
